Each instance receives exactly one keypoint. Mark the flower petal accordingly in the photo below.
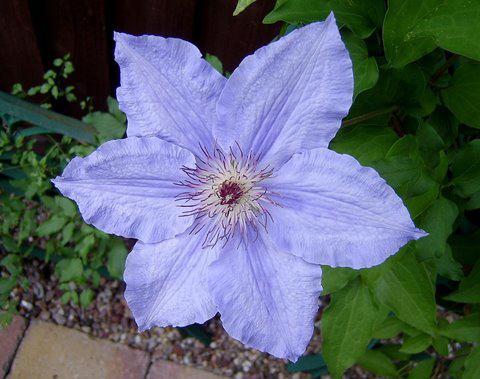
(126, 187)
(167, 282)
(336, 212)
(267, 299)
(289, 96)
(167, 89)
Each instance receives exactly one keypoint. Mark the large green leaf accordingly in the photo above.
(401, 18)
(408, 177)
(378, 363)
(465, 247)
(390, 327)
(413, 28)
(407, 290)
(367, 143)
(465, 167)
(365, 69)
(472, 364)
(361, 16)
(347, 326)
(437, 220)
(469, 289)
(335, 278)
(462, 96)
(466, 329)
(54, 122)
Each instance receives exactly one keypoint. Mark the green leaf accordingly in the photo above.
(416, 344)
(430, 144)
(413, 28)
(116, 258)
(465, 167)
(466, 329)
(115, 111)
(68, 206)
(445, 124)
(295, 11)
(438, 221)
(107, 125)
(422, 370)
(469, 289)
(449, 267)
(365, 69)
(440, 344)
(307, 363)
(472, 364)
(361, 16)
(55, 122)
(86, 297)
(335, 278)
(407, 290)
(241, 5)
(7, 285)
(401, 18)
(367, 143)
(462, 97)
(13, 264)
(389, 328)
(406, 176)
(215, 62)
(52, 225)
(403, 86)
(347, 326)
(67, 233)
(378, 363)
(69, 269)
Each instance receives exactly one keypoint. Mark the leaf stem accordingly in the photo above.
(444, 68)
(369, 115)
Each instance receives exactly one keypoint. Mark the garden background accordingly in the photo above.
(415, 119)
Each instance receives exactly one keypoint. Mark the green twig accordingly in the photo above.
(369, 115)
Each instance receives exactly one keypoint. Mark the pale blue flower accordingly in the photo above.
(231, 190)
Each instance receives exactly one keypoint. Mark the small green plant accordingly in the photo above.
(35, 220)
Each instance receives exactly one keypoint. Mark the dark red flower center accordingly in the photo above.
(229, 192)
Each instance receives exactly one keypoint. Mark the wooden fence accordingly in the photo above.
(34, 32)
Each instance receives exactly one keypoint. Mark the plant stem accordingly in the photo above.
(444, 68)
(369, 115)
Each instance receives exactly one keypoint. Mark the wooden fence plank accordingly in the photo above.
(231, 38)
(20, 60)
(77, 27)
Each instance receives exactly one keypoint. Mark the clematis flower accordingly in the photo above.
(231, 190)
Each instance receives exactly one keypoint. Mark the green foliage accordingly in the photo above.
(36, 220)
(415, 119)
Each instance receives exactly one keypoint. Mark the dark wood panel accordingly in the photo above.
(229, 37)
(20, 59)
(77, 27)
(165, 18)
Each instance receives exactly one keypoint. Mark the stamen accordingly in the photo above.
(225, 195)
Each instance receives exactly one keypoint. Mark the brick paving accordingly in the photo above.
(10, 338)
(49, 351)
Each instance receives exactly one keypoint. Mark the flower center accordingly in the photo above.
(225, 195)
(229, 193)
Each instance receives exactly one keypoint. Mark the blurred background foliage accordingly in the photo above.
(415, 119)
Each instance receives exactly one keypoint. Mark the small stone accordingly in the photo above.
(26, 305)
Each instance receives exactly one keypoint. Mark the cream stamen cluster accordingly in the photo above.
(226, 195)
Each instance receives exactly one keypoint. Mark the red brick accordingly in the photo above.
(52, 351)
(10, 337)
(161, 369)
